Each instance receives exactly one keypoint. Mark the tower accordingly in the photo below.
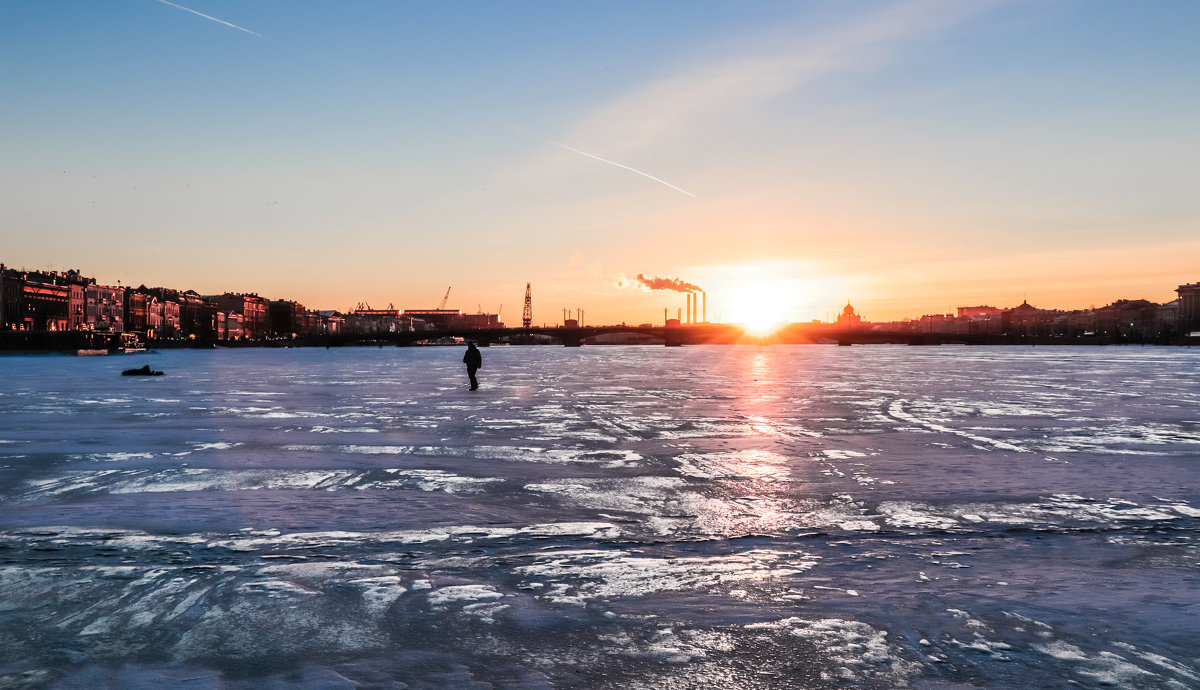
(527, 315)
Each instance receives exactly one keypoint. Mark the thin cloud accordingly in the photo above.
(214, 19)
(668, 107)
(602, 160)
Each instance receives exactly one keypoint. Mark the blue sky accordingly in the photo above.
(910, 157)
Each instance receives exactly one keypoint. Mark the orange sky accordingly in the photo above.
(908, 157)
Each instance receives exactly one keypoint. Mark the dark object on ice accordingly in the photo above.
(474, 360)
(144, 371)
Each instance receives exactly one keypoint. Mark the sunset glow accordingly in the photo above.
(911, 157)
(760, 307)
(675, 344)
(763, 296)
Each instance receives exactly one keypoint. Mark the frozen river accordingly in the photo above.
(603, 517)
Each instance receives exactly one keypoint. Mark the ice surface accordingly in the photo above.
(603, 517)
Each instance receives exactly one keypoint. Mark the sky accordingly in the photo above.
(786, 156)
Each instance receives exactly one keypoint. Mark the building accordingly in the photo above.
(849, 319)
(47, 306)
(478, 321)
(254, 311)
(76, 301)
(12, 310)
(332, 322)
(1027, 320)
(169, 326)
(135, 311)
(941, 323)
(197, 315)
(367, 321)
(290, 319)
(436, 318)
(41, 300)
(1168, 318)
(981, 320)
(979, 312)
(228, 325)
(1129, 320)
(104, 308)
(1188, 316)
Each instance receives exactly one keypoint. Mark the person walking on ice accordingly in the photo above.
(474, 360)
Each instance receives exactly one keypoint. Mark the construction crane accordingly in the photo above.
(444, 299)
(527, 314)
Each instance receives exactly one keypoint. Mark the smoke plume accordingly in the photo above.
(667, 284)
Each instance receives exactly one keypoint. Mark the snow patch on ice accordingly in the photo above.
(205, 479)
(861, 652)
(912, 514)
(742, 464)
(581, 576)
(1105, 667)
(479, 601)
(896, 409)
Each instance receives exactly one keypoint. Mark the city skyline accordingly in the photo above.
(40, 300)
(908, 157)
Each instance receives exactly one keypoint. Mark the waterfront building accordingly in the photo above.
(1075, 324)
(365, 320)
(154, 316)
(289, 319)
(104, 308)
(1189, 309)
(1168, 318)
(12, 314)
(979, 312)
(479, 321)
(254, 310)
(1027, 320)
(332, 322)
(169, 327)
(229, 325)
(436, 318)
(197, 316)
(945, 324)
(1129, 319)
(135, 311)
(76, 301)
(46, 305)
(849, 319)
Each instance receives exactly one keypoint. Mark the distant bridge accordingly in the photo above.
(570, 337)
(692, 334)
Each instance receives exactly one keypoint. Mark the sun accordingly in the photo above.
(763, 297)
(758, 307)
(760, 320)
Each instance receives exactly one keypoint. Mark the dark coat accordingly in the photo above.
(473, 358)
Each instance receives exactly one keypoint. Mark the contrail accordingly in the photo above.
(219, 21)
(594, 157)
